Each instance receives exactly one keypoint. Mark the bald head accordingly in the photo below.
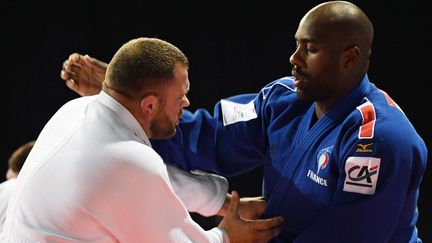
(343, 23)
(334, 42)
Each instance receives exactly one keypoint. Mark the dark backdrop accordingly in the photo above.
(233, 46)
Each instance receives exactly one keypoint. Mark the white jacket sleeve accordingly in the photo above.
(200, 192)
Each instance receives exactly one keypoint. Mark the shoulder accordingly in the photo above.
(77, 102)
(377, 114)
(73, 107)
(281, 94)
(279, 98)
(378, 127)
(284, 84)
(386, 119)
(134, 154)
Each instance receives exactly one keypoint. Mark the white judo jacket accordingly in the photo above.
(6, 188)
(92, 176)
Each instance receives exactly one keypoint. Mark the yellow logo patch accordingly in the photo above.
(364, 148)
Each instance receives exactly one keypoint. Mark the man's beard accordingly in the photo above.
(161, 126)
(304, 96)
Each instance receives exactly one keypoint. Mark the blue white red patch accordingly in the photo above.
(323, 158)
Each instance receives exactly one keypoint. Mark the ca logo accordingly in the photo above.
(361, 174)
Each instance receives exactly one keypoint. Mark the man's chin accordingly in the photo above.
(165, 135)
(304, 96)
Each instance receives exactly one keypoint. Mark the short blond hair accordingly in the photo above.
(143, 65)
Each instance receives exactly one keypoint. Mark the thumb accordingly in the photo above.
(94, 61)
(89, 59)
(233, 206)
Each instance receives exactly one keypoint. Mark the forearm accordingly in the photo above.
(200, 192)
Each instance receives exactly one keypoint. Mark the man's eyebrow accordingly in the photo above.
(307, 40)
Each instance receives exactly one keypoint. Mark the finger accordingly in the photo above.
(74, 57)
(233, 206)
(65, 65)
(65, 75)
(266, 235)
(70, 84)
(89, 58)
(70, 66)
(94, 61)
(260, 209)
(75, 68)
(264, 224)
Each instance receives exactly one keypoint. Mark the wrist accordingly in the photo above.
(222, 211)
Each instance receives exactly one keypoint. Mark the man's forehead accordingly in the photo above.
(315, 31)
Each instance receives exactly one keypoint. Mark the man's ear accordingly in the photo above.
(149, 104)
(351, 55)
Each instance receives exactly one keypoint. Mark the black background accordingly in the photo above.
(233, 47)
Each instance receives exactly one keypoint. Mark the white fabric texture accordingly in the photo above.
(92, 176)
(6, 188)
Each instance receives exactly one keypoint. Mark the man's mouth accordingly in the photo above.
(299, 79)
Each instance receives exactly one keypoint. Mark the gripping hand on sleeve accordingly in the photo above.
(247, 230)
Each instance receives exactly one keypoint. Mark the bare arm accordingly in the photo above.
(83, 74)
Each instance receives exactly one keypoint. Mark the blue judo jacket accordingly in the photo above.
(351, 176)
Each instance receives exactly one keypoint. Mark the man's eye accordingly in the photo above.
(311, 50)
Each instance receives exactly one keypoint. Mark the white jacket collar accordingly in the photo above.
(124, 115)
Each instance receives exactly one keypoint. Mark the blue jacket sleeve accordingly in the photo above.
(203, 142)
